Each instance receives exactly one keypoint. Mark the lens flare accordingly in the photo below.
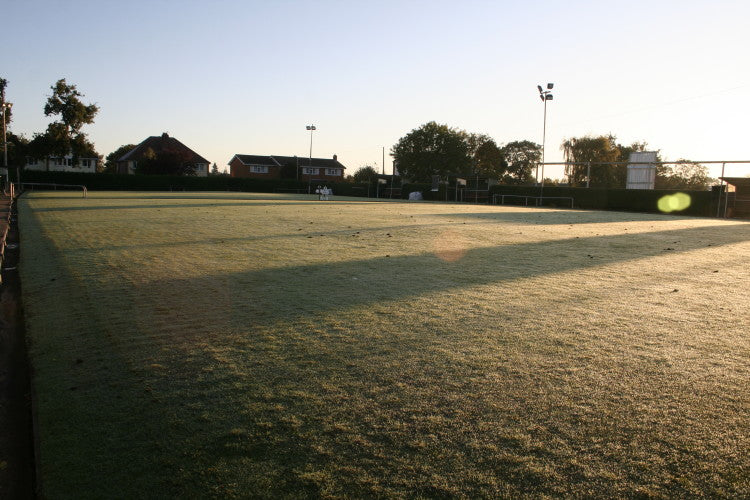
(674, 202)
(449, 246)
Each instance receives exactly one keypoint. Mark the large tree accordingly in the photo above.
(432, 149)
(64, 136)
(521, 157)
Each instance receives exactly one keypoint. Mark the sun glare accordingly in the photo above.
(674, 202)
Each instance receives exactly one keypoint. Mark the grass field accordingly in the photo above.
(235, 345)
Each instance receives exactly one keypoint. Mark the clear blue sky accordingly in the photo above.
(230, 77)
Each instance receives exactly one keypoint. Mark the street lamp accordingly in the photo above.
(544, 95)
(311, 128)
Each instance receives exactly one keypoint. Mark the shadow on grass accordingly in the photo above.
(145, 432)
(318, 288)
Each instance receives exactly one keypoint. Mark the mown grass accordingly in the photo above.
(260, 346)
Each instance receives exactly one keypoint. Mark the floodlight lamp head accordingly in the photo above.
(540, 88)
(548, 97)
(550, 85)
(541, 96)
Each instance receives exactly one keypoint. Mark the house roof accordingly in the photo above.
(277, 161)
(737, 181)
(159, 144)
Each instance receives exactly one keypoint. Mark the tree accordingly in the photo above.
(8, 114)
(64, 136)
(110, 164)
(65, 101)
(18, 149)
(432, 149)
(486, 158)
(599, 152)
(686, 175)
(604, 156)
(365, 174)
(214, 169)
(521, 157)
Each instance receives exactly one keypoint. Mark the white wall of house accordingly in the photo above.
(64, 164)
(201, 169)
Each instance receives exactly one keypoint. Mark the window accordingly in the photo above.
(32, 161)
(199, 167)
(260, 169)
(333, 171)
(85, 163)
(59, 162)
(310, 171)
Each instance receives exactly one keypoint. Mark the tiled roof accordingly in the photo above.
(257, 160)
(276, 160)
(158, 144)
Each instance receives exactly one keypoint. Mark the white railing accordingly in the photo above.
(55, 186)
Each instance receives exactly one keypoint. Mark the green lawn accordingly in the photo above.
(198, 345)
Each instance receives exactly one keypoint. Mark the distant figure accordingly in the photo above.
(325, 193)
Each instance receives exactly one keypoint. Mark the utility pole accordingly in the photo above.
(5, 106)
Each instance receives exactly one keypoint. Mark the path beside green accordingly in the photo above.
(259, 345)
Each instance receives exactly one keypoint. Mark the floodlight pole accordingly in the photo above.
(311, 128)
(544, 95)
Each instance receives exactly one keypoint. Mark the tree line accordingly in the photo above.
(597, 161)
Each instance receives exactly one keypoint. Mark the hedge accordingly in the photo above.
(703, 203)
(120, 182)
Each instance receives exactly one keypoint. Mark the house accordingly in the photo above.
(161, 144)
(62, 164)
(293, 167)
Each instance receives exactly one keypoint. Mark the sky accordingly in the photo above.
(228, 77)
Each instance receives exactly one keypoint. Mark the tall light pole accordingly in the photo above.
(5, 106)
(311, 128)
(544, 95)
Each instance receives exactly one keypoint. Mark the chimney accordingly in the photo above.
(165, 135)
(335, 158)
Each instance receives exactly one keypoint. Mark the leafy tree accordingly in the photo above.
(365, 174)
(600, 151)
(18, 149)
(110, 164)
(8, 112)
(688, 175)
(521, 157)
(432, 149)
(65, 101)
(64, 136)
(486, 158)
